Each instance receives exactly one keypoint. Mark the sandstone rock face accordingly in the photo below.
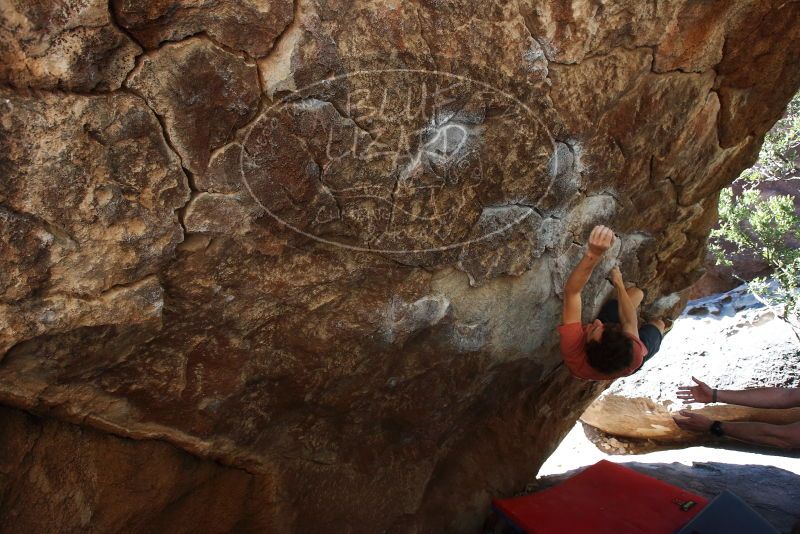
(250, 26)
(325, 242)
(67, 470)
(217, 94)
(63, 44)
(88, 210)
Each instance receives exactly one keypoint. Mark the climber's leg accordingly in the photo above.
(658, 323)
(651, 335)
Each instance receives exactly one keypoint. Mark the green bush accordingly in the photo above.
(764, 228)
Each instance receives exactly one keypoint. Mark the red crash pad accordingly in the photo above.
(603, 498)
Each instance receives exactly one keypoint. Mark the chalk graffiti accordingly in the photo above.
(395, 161)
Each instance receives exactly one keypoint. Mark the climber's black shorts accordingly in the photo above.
(648, 333)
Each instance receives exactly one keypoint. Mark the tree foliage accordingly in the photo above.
(765, 228)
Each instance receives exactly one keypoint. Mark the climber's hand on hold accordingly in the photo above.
(600, 240)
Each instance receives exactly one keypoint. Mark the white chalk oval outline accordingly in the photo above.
(282, 101)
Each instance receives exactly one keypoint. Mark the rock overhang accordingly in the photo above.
(225, 246)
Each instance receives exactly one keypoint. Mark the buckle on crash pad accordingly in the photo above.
(684, 505)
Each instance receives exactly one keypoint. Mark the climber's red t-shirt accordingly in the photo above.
(573, 350)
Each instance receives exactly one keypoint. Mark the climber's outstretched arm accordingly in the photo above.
(600, 240)
(627, 310)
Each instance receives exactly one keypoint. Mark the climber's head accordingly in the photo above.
(608, 349)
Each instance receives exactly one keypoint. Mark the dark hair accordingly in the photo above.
(614, 351)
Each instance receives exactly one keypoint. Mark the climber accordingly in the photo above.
(612, 345)
(785, 436)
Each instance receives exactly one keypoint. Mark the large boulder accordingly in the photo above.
(324, 244)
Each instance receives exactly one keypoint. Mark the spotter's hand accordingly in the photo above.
(693, 422)
(701, 392)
